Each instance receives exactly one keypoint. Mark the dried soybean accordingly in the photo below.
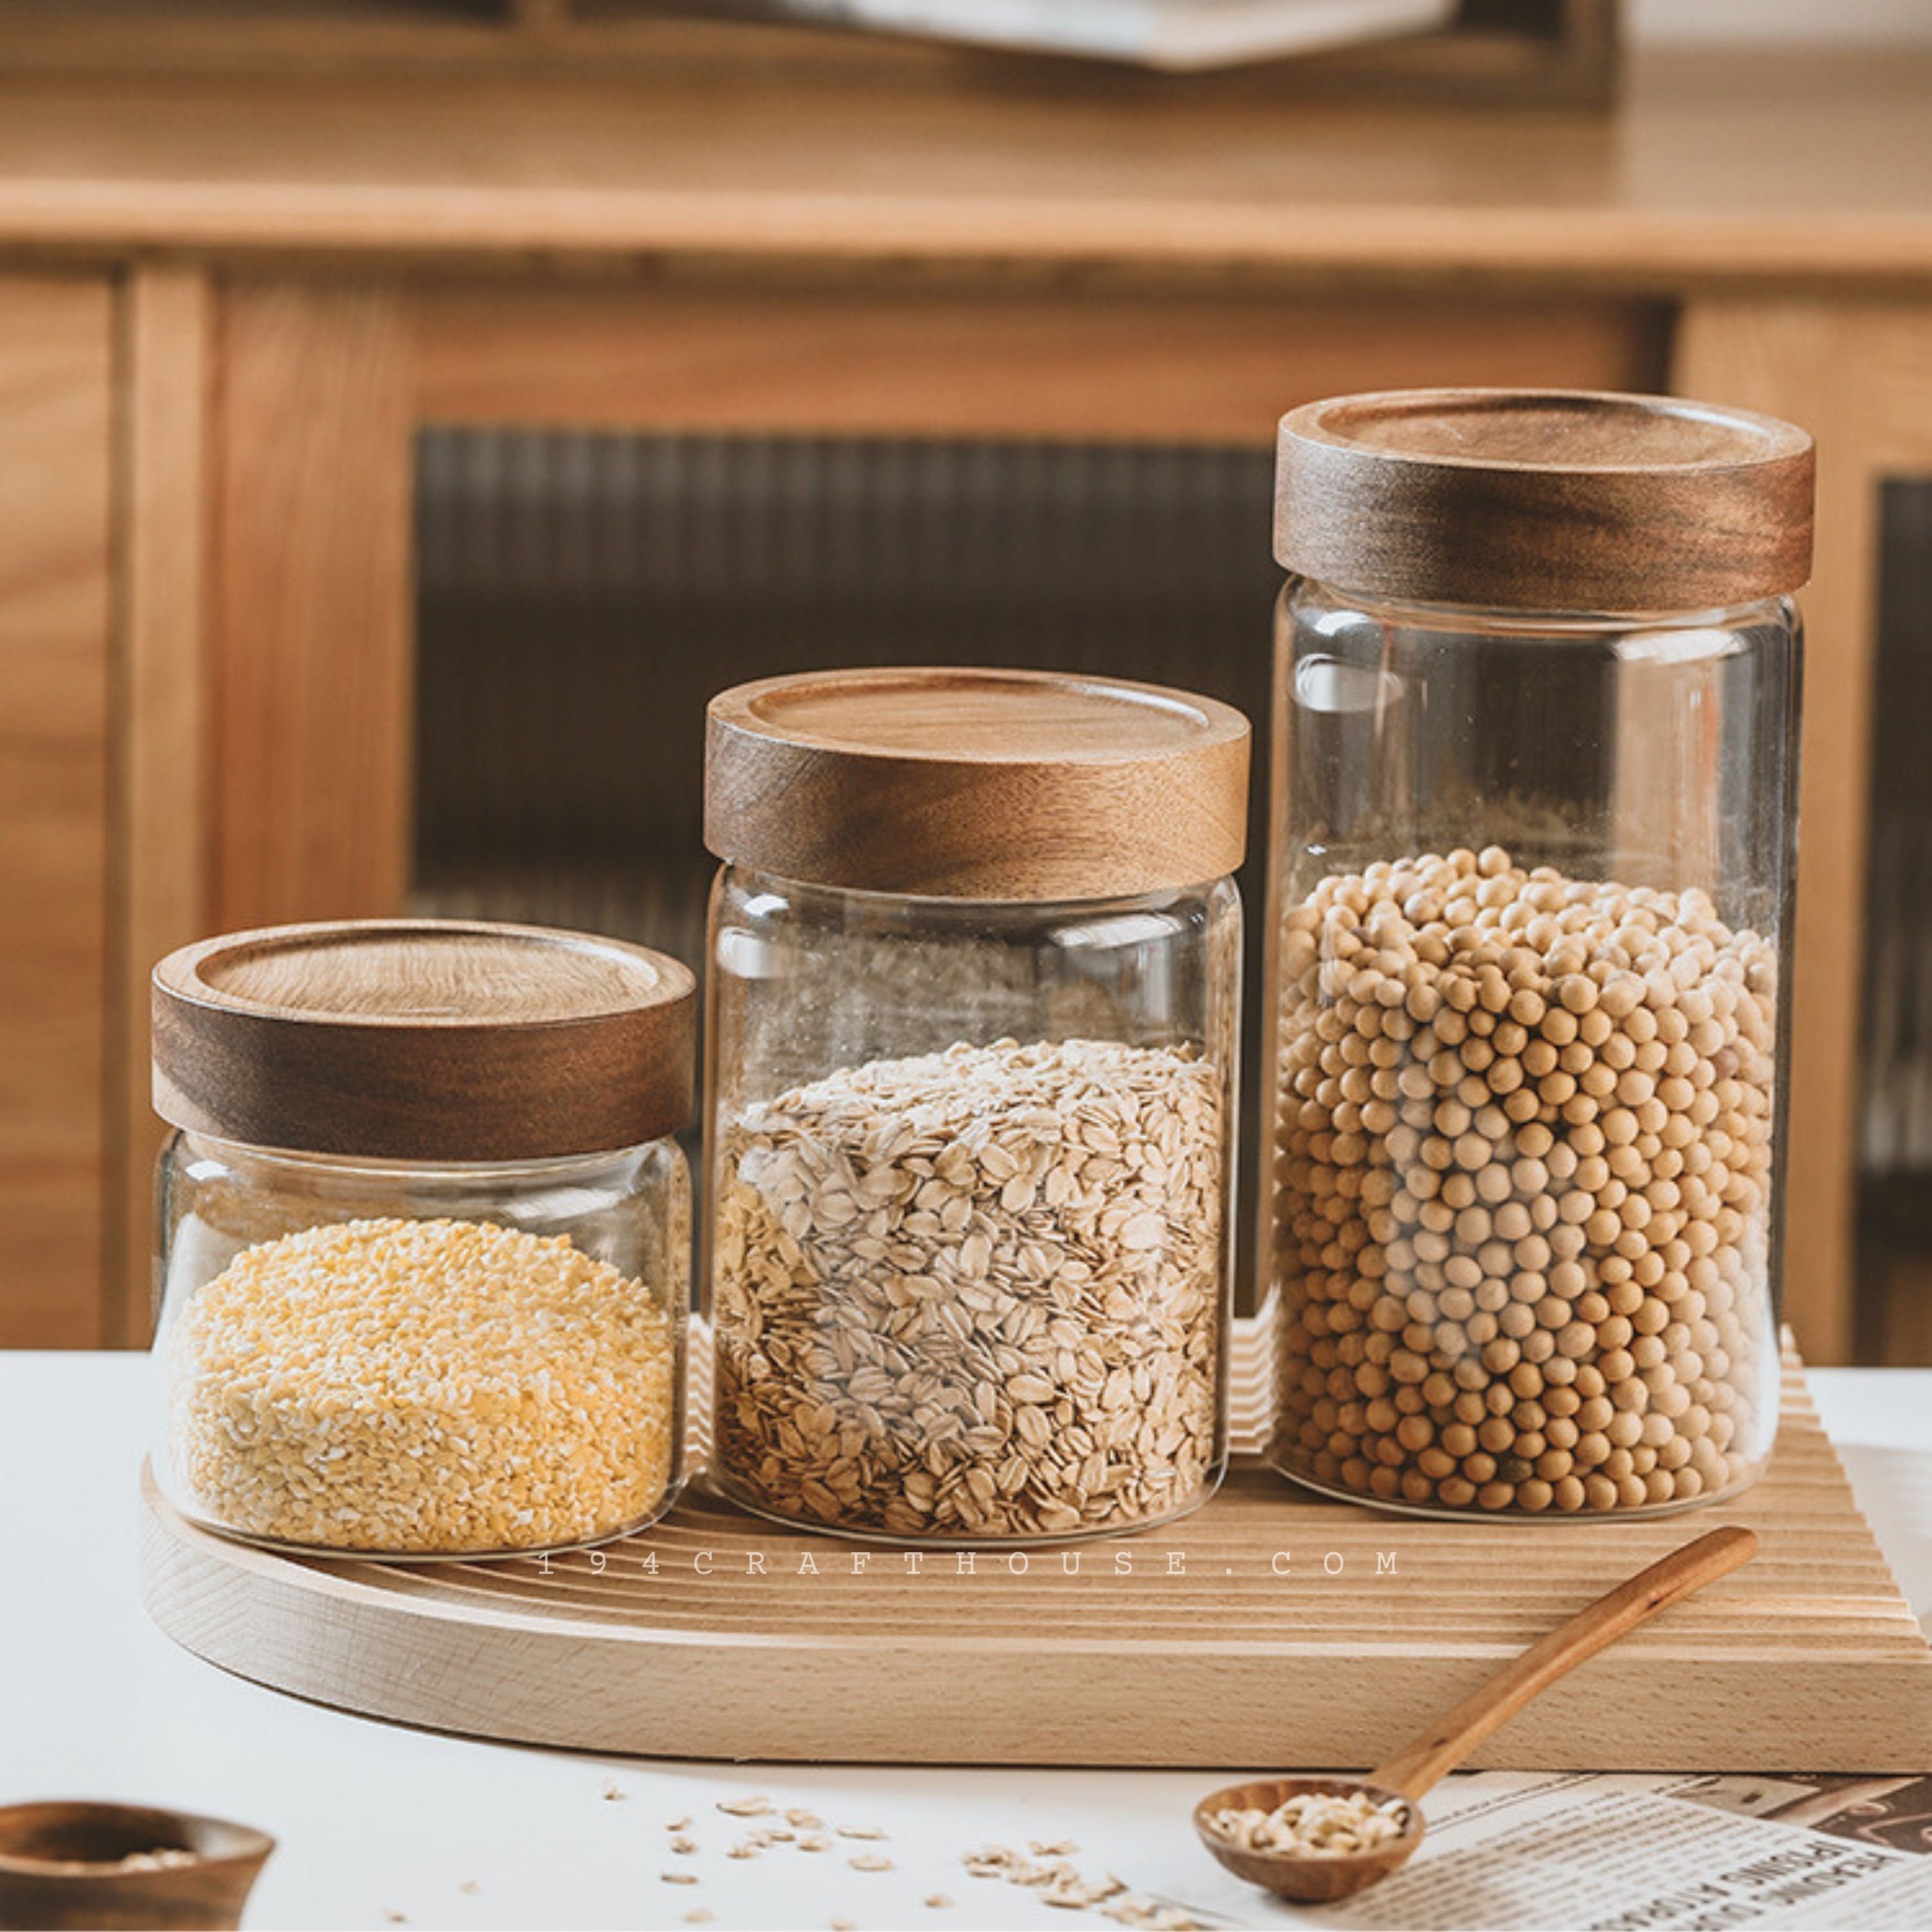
(1523, 1176)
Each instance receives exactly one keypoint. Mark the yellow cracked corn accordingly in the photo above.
(421, 1386)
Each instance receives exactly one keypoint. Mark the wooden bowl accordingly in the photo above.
(60, 1867)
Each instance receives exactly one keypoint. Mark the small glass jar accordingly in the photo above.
(1533, 826)
(975, 966)
(423, 1268)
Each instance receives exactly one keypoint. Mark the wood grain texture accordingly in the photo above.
(1714, 169)
(57, 1862)
(977, 785)
(162, 725)
(430, 1040)
(834, 355)
(1543, 500)
(1858, 376)
(314, 664)
(1197, 1652)
(55, 486)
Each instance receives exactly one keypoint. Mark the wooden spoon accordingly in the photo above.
(1312, 1879)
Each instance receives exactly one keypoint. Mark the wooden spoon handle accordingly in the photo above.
(1440, 1749)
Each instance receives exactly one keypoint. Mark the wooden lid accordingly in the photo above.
(424, 1039)
(1543, 500)
(979, 784)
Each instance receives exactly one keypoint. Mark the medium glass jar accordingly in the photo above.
(1533, 823)
(973, 1007)
(423, 1238)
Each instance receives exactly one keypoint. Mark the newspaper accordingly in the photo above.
(1602, 1852)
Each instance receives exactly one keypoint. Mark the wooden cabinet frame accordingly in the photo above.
(1859, 375)
(58, 352)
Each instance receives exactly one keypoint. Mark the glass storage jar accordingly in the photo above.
(424, 1239)
(1532, 823)
(975, 967)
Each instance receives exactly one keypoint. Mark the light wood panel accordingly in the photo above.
(854, 358)
(312, 657)
(55, 368)
(162, 726)
(1199, 1651)
(1858, 376)
(1776, 167)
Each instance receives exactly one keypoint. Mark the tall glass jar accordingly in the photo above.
(973, 1004)
(423, 1238)
(1533, 814)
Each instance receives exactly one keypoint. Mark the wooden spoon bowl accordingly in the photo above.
(1319, 1880)
(60, 1865)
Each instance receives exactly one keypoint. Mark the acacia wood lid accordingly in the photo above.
(1005, 785)
(1544, 499)
(424, 1039)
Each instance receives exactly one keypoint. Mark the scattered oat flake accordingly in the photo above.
(679, 1878)
(938, 1901)
(814, 1841)
(805, 1820)
(870, 1861)
(677, 1825)
(684, 1846)
(701, 1915)
(845, 1925)
(745, 1808)
(742, 1851)
(1061, 1848)
(395, 1917)
(612, 1795)
(860, 1831)
(468, 1885)
(1149, 1914)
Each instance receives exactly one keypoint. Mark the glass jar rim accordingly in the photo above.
(549, 1168)
(945, 906)
(1719, 617)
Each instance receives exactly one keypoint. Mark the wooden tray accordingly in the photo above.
(1270, 1629)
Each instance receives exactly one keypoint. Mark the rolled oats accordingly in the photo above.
(977, 1294)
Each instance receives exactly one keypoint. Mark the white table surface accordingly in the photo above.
(378, 1825)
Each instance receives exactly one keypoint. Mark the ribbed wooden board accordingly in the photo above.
(1807, 1660)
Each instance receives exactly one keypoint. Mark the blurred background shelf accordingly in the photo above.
(362, 428)
(1490, 50)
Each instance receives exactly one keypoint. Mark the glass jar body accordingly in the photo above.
(967, 1246)
(418, 1361)
(1529, 931)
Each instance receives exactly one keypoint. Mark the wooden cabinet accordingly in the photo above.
(207, 445)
